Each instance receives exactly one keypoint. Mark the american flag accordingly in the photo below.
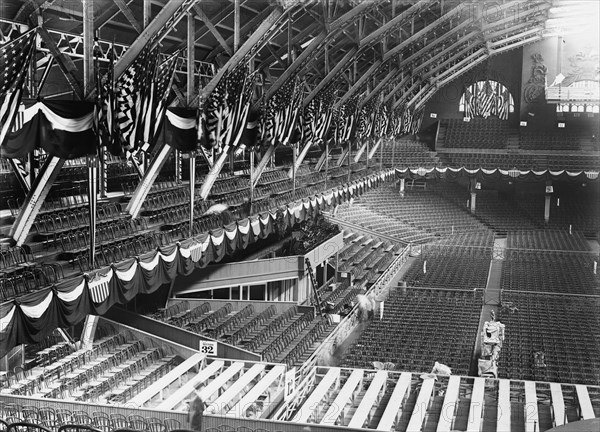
(366, 120)
(133, 88)
(502, 106)
(407, 119)
(154, 107)
(15, 57)
(470, 102)
(345, 124)
(226, 109)
(396, 122)
(382, 121)
(486, 99)
(318, 117)
(105, 108)
(417, 119)
(281, 113)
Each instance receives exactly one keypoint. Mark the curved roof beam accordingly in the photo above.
(318, 43)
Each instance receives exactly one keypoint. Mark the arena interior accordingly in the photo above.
(299, 215)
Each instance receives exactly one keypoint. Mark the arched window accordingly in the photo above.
(486, 98)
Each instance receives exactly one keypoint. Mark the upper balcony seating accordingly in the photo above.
(490, 133)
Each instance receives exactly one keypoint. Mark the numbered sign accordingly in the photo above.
(208, 347)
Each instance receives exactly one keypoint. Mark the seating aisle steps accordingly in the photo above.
(491, 297)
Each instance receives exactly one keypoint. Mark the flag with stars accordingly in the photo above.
(366, 120)
(281, 113)
(382, 121)
(318, 117)
(345, 124)
(133, 89)
(154, 106)
(227, 107)
(15, 57)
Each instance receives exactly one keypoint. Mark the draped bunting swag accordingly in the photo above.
(181, 129)
(496, 174)
(64, 129)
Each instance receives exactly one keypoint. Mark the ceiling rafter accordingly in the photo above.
(126, 11)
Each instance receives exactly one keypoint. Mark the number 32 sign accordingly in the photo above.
(208, 347)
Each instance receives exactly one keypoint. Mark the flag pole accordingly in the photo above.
(326, 162)
(294, 155)
(251, 178)
(349, 158)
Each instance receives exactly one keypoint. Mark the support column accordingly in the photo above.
(263, 163)
(178, 170)
(473, 201)
(251, 178)
(326, 162)
(402, 185)
(294, 157)
(211, 177)
(300, 158)
(92, 163)
(35, 199)
(141, 192)
(547, 208)
(549, 191)
(192, 189)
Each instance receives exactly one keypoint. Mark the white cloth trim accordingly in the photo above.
(6, 319)
(181, 122)
(71, 295)
(38, 310)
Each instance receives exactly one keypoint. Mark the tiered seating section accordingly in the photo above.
(577, 210)
(427, 326)
(562, 327)
(458, 262)
(405, 153)
(478, 133)
(419, 216)
(60, 235)
(285, 337)
(87, 419)
(115, 368)
(549, 261)
(365, 258)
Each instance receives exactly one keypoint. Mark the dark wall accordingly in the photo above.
(504, 68)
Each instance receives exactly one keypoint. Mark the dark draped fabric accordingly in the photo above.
(181, 139)
(67, 142)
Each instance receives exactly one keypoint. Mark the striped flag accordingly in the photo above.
(105, 108)
(346, 119)
(366, 120)
(396, 122)
(226, 109)
(132, 91)
(281, 113)
(382, 121)
(486, 99)
(317, 122)
(154, 107)
(15, 58)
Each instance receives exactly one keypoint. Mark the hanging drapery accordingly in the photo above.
(30, 318)
(496, 174)
(64, 129)
(181, 129)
